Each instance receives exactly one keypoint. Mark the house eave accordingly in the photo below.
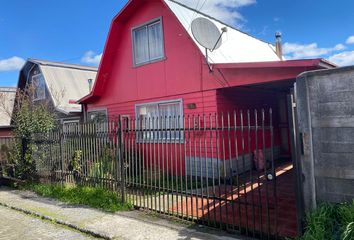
(7, 127)
(321, 63)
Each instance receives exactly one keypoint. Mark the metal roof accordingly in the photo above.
(7, 98)
(237, 46)
(66, 83)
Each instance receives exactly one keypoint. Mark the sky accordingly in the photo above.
(76, 31)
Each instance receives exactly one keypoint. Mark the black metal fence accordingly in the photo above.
(216, 169)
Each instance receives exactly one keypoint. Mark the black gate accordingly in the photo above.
(219, 170)
(297, 150)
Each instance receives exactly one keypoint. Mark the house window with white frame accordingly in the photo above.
(71, 126)
(148, 43)
(38, 84)
(97, 116)
(160, 120)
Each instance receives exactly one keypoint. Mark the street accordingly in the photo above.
(15, 225)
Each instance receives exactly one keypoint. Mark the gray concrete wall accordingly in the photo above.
(325, 109)
(210, 167)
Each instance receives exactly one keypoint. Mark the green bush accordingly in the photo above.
(94, 197)
(104, 167)
(330, 221)
(346, 217)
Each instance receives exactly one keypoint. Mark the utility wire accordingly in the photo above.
(201, 7)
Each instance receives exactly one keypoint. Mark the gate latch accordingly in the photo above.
(270, 177)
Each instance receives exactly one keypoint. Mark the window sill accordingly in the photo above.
(149, 62)
(161, 141)
(39, 99)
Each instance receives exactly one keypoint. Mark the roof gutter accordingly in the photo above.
(278, 64)
(9, 126)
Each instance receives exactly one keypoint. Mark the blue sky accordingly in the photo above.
(75, 31)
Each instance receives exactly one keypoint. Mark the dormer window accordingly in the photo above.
(38, 87)
(148, 43)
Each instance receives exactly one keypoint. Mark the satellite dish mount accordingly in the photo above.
(207, 35)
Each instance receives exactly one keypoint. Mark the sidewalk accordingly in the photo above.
(123, 225)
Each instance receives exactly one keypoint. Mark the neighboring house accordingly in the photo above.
(7, 98)
(60, 84)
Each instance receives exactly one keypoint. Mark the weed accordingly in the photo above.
(93, 197)
(330, 221)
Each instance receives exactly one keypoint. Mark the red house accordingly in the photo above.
(171, 67)
(152, 66)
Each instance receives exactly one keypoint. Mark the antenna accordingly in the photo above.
(207, 34)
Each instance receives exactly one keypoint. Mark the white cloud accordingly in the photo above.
(343, 58)
(350, 40)
(224, 10)
(91, 58)
(295, 50)
(339, 47)
(11, 64)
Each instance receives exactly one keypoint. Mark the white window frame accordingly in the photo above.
(35, 89)
(67, 123)
(160, 131)
(144, 25)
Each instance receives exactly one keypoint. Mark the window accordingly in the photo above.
(148, 43)
(98, 116)
(38, 87)
(162, 120)
(71, 126)
(99, 119)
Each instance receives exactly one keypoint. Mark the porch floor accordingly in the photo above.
(251, 207)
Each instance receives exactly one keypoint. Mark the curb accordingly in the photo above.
(57, 221)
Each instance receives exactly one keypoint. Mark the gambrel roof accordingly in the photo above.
(237, 46)
(238, 49)
(66, 83)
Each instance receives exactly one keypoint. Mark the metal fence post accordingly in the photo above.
(120, 158)
(61, 145)
(23, 149)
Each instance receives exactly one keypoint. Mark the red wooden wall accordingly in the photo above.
(5, 132)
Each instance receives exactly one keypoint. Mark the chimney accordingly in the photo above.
(278, 45)
(90, 84)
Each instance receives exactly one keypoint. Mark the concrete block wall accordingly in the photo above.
(325, 110)
(201, 166)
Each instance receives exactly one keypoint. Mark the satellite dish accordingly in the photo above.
(206, 33)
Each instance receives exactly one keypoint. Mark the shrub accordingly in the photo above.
(330, 221)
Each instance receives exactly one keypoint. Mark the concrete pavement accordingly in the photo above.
(124, 225)
(15, 225)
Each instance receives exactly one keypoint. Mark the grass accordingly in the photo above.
(93, 197)
(330, 221)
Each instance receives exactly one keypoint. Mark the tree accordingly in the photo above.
(29, 117)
